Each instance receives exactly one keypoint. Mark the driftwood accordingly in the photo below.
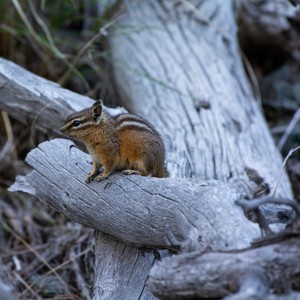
(172, 72)
(250, 273)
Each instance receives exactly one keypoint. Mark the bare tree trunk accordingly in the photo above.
(180, 67)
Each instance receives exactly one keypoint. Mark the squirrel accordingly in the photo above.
(125, 142)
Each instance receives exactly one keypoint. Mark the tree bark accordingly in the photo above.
(146, 212)
(251, 272)
(182, 70)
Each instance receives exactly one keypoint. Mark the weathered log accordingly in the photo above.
(252, 272)
(135, 270)
(34, 100)
(38, 102)
(145, 212)
(183, 72)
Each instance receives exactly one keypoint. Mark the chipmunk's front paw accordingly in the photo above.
(92, 175)
(90, 178)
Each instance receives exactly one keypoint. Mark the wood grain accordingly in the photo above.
(143, 211)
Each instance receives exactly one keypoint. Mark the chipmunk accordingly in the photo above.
(125, 142)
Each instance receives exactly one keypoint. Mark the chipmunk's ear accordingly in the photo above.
(98, 102)
(97, 110)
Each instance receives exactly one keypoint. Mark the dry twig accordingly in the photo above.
(289, 129)
(255, 203)
(283, 166)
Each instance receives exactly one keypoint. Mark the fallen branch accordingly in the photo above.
(254, 272)
(255, 203)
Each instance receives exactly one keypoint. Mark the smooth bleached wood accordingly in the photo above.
(136, 270)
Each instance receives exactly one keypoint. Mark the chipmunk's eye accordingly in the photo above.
(76, 123)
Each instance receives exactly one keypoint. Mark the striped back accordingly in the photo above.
(126, 121)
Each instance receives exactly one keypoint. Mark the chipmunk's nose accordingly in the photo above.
(62, 129)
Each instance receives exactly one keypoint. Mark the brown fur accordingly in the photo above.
(126, 142)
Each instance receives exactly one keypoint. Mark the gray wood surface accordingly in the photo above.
(135, 270)
(35, 101)
(143, 211)
(256, 272)
(179, 65)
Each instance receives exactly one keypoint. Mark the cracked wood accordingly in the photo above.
(143, 211)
